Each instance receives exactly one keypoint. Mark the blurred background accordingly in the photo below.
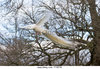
(74, 20)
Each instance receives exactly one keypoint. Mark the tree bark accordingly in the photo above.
(95, 55)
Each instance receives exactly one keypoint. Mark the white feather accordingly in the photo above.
(43, 20)
(56, 39)
(59, 40)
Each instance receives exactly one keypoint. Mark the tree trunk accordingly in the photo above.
(95, 56)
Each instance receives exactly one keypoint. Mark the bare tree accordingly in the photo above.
(72, 19)
(77, 11)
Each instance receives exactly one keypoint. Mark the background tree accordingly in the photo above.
(71, 19)
(84, 18)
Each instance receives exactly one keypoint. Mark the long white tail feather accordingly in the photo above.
(58, 40)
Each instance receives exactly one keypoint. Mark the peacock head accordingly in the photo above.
(30, 27)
